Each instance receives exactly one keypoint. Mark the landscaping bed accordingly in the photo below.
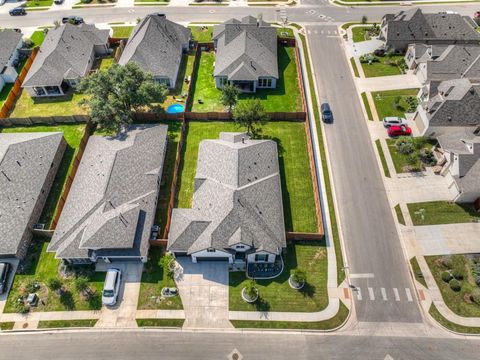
(53, 324)
(394, 102)
(382, 66)
(276, 294)
(286, 97)
(442, 212)
(160, 322)
(411, 154)
(154, 278)
(463, 271)
(297, 184)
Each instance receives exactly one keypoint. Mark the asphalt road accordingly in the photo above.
(148, 345)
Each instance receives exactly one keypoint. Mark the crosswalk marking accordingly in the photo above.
(371, 294)
(397, 296)
(384, 294)
(359, 294)
(409, 294)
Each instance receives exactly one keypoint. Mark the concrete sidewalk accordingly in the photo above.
(392, 82)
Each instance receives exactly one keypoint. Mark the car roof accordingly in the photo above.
(390, 118)
(110, 279)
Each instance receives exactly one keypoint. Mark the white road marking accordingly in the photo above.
(328, 31)
(309, 32)
(362, 276)
(397, 296)
(371, 294)
(409, 294)
(335, 32)
(384, 294)
(359, 294)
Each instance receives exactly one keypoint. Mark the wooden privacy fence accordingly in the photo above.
(297, 236)
(44, 120)
(17, 86)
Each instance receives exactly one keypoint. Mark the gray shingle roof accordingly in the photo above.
(237, 198)
(9, 40)
(415, 26)
(25, 160)
(111, 206)
(246, 50)
(453, 103)
(65, 53)
(156, 46)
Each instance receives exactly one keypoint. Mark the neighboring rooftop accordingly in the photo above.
(246, 49)
(25, 161)
(111, 206)
(237, 198)
(156, 46)
(9, 40)
(65, 54)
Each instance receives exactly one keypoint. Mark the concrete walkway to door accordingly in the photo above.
(204, 291)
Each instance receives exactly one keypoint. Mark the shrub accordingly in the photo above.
(404, 145)
(477, 280)
(410, 100)
(412, 159)
(475, 296)
(250, 289)
(364, 19)
(21, 307)
(28, 43)
(447, 261)
(457, 274)
(455, 285)
(446, 276)
(428, 157)
(81, 284)
(32, 286)
(368, 58)
(299, 276)
(54, 284)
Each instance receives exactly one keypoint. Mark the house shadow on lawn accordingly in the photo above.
(53, 99)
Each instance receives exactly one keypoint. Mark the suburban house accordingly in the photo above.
(157, 45)
(237, 213)
(28, 165)
(444, 62)
(461, 159)
(246, 54)
(66, 55)
(10, 42)
(400, 30)
(110, 209)
(447, 106)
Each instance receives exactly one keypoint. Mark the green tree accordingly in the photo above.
(54, 284)
(81, 284)
(299, 276)
(117, 93)
(364, 19)
(229, 96)
(250, 289)
(250, 113)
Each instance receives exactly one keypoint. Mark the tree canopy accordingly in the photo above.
(229, 96)
(250, 113)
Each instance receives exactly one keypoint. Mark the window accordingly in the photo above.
(240, 247)
(211, 250)
(223, 81)
(39, 91)
(262, 82)
(261, 257)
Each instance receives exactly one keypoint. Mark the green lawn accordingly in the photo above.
(53, 106)
(285, 32)
(38, 37)
(417, 272)
(456, 301)
(4, 93)
(42, 266)
(399, 213)
(7, 325)
(202, 34)
(276, 294)
(297, 188)
(54, 324)
(360, 33)
(38, 3)
(106, 63)
(73, 134)
(181, 87)
(449, 325)
(285, 97)
(401, 161)
(160, 322)
(385, 102)
(330, 324)
(354, 67)
(367, 106)
(386, 171)
(122, 31)
(153, 280)
(442, 212)
(382, 67)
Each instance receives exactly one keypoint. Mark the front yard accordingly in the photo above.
(202, 34)
(154, 278)
(394, 102)
(38, 3)
(286, 97)
(442, 212)
(276, 294)
(297, 188)
(67, 105)
(122, 31)
(383, 66)
(411, 154)
(363, 33)
(462, 270)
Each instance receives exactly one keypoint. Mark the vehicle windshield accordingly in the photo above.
(107, 293)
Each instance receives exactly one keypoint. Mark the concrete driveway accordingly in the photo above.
(204, 291)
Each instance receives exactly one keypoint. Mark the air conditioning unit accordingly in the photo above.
(39, 227)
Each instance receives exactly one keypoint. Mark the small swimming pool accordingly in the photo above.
(175, 108)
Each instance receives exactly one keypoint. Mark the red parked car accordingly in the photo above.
(402, 130)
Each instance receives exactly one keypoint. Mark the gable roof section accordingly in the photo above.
(156, 46)
(246, 50)
(25, 161)
(64, 54)
(111, 206)
(237, 198)
(9, 41)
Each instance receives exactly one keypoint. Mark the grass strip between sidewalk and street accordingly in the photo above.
(354, 66)
(54, 324)
(367, 106)
(7, 325)
(160, 322)
(417, 271)
(381, 154)
(450, 325)
(398, 211)
(329, 324)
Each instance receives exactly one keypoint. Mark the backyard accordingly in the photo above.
(442, 212)
(286, 97)
(73, 134)
(411, 158)
(179, 93)
(276, 294)
(297, 188)
(462, 270)
(154, 278)
(40, 267)
(4, 93)
(383, 66)
(394, 102)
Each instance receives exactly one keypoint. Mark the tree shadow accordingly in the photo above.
(67, 300)
(308, 290)
(262, 305)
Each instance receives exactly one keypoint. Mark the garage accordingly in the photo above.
(209, 258)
